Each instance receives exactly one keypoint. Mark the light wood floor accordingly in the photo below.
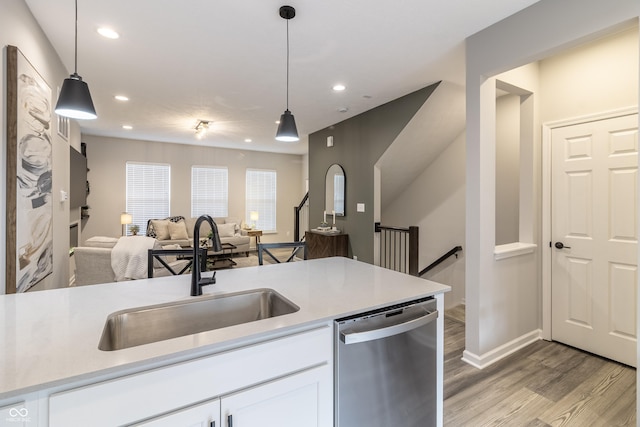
(544, 384)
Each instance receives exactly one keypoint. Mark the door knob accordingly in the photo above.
(560, 245)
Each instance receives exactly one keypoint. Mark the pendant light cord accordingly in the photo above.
(75, 70)
(287, 63)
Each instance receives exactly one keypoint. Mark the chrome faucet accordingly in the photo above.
(196, 281)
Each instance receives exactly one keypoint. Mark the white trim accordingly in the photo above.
(546, 201)
(513, 249)
(501, 352)
(604, 115)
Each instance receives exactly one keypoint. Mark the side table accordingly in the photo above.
(256, 234)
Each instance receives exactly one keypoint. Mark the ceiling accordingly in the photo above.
(225, 61)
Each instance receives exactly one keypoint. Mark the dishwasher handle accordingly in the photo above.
(376, 334)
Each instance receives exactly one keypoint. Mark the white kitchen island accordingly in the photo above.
(52, 372)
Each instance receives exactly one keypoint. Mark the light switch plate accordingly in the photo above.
(360, 207)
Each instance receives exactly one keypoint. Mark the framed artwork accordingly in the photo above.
(29, 171)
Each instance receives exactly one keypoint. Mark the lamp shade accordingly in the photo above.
(75, 100)
(287, 131)
(125, 218)
(253, 216)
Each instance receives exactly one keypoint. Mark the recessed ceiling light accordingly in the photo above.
(127, 127)
(121, 98)
(248, 140)
(339, 87)
(108, 33)
(343, 109)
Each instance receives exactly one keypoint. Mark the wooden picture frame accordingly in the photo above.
(29, 203)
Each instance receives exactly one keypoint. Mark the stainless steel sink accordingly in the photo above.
(144, 325)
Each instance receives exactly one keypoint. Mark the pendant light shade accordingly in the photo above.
(287, 130)
(75, 100)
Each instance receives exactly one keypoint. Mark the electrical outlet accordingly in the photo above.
(360, 207)
(355, 257)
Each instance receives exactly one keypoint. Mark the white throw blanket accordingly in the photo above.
(129, 257)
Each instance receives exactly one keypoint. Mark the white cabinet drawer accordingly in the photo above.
(139, 396)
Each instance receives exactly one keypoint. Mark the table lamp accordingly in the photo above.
(125, 219)
(253, 216)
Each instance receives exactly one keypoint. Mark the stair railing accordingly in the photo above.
(399, 248)
(300, 212)
(435, 263)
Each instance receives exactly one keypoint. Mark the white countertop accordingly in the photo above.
(51, 337)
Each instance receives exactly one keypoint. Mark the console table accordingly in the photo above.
(324, 245)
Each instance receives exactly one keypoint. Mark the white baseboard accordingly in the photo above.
(501, 352)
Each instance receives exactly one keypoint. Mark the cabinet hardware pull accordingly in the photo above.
(213, 424)
(230, 421)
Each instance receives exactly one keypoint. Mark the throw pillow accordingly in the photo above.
(178, 230)
(236, 220)
(161, 228)
(227, 230)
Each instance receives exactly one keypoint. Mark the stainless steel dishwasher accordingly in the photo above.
(385, 370)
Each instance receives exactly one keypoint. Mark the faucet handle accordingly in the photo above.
(205, 281)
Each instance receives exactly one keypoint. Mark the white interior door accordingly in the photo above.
(594, 231)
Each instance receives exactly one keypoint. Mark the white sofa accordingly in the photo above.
(179, 230)
(93, 262)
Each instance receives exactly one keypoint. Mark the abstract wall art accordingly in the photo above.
(29, 224)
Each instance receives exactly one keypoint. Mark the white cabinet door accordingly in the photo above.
(203, 415)
(304, 399)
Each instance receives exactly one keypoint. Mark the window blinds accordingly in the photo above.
(209, 191)
(148, 192)
(261, 198)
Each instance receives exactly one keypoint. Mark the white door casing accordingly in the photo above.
(593, 214)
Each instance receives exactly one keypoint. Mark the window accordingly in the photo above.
(209, 191)
(261, 198)
(148, 192)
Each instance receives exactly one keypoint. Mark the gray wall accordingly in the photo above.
(507, 169)
(358, 144)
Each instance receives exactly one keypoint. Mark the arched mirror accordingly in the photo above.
(335, 190)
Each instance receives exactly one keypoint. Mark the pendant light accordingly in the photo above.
(287, 131)
(75, 100)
